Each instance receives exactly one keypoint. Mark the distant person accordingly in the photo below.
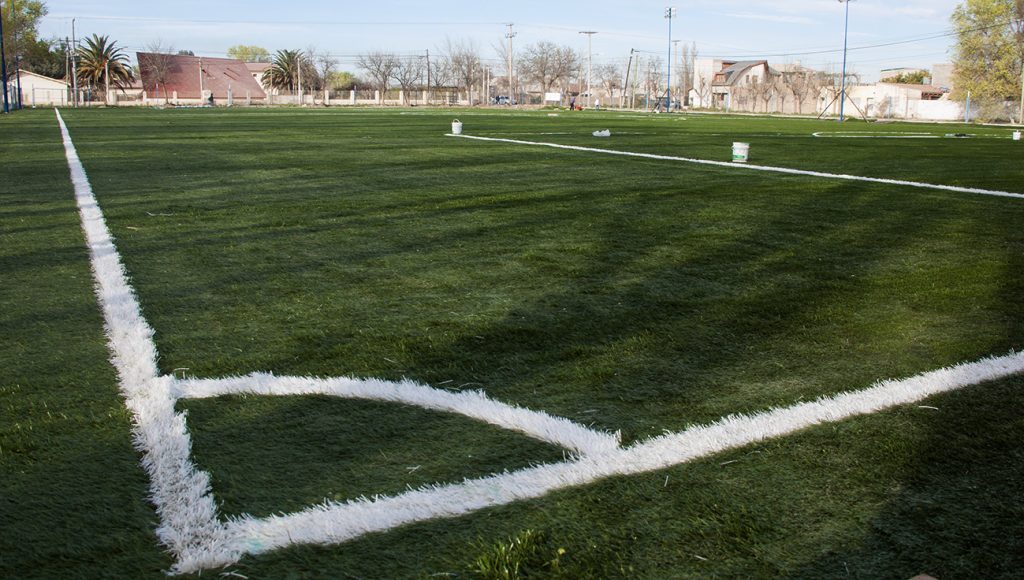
(572, 104)
(597, 103)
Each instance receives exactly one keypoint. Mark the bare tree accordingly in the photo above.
(155, 67)
(409, 75)
(439, 72)
(547, 64)
(763, 88)
(703, 90)
(322, 65)
(381, 68)
(464, 61)
(781, 92)
(502, 83)
(800, 84)
(685, 69)
(610, 77)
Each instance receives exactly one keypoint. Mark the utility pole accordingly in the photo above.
(679, 74)
(3, 66)
(428, 77)
(201, 78)
(74, 62)
(17, 78)
(670, 13)
(67, 64)
(106, 81)
(510, 35)
(625, 84)
(590, 61)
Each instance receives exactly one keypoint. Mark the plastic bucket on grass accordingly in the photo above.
(456, 127)
(740, 152)
(1016, 135)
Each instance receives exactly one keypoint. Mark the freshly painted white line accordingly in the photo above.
(189, 523)
(180, 492)
(474, 404)
(869, 135)
(752, 167)
(338, 522)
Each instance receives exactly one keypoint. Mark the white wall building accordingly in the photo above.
(37, 90)
(894, 101)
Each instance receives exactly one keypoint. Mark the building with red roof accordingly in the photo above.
(195, 78)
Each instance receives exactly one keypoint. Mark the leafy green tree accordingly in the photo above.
(21, 33)
(99, 57)
(911, 78)
(246, 53)
(284, 70)
(989, 52)
(342, 81)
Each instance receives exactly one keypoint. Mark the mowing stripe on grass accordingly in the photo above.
(752, 167)
(189, 523)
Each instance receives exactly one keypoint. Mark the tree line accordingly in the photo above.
(988, 62)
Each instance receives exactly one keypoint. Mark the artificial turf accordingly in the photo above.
(628, 294)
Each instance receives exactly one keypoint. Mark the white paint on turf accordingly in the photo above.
(751, 167)
(473, 404)
(189, 523)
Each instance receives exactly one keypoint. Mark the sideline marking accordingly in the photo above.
(189, 523)
(751, 167)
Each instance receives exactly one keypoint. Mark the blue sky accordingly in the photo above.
(809, 31)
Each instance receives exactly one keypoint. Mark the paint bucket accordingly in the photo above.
(456, 127)
(740, 152)
(1016, 135)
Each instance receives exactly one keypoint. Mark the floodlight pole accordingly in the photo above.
(670, 13)
(842, 92)
(590, 60)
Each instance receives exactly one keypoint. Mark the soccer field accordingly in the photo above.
(635, 297)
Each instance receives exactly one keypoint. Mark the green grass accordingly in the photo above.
(624, 293)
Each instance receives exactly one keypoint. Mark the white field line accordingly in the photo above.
(869, 135)
(189, 523)
(473, 404)
(752, 167)
(180, 492)
(338, 522)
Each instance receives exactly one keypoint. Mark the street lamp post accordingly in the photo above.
(590, 60)
(842, 91)
(670, 14)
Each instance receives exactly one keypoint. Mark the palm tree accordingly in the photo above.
(284, 70)
(102, 63)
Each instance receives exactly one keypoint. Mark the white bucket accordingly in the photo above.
(1016, 135)
(740, 152)
(456, 127)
